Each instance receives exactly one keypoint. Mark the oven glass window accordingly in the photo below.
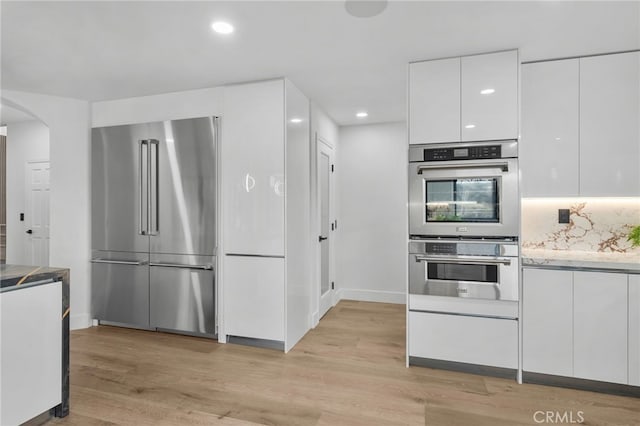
(462, 200)
(462, 272)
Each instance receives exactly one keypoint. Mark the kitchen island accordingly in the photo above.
(34, 345)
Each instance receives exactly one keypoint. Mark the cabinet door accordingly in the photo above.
(253, 168)
(254, 297)
(490, 96)
(634, 330)
(434, 101)
(549, 151)
(547, 322)
(600, 326)
(459, 338)
(609, 125)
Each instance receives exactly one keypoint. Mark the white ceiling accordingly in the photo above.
(109, 50)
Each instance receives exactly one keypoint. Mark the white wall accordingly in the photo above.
(372, 212)
(26, 141)
(168, 106)
(69, 122)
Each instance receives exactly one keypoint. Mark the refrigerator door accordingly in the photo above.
(182, 293)
(120, 287)
(182, 213)
(119, 177)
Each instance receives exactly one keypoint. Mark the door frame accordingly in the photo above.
(323, 146)
(28, 223)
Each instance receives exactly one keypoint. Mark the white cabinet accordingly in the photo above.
(610, 125)
(490, 96)
(471, 98)
(634, 330)
(600, 326)
(253, 168)
(254, 297)
(581, 127)
(266, 193)
(458, 338)
(581, 324)
(549, 151)
(547, 326)
(434, 101)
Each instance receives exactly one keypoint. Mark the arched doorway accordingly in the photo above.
(24, 187)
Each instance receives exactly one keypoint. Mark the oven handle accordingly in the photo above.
(502, 165)
(444, 259)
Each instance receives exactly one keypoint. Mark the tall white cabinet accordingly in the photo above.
(581, 127)
(266, 286)
(469, 98)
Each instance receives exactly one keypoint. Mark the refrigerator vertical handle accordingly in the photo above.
(143, 181)
(153, 187)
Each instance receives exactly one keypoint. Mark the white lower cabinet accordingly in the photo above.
(547, 327)
(600, 326)
(472, 340)
(254, 297)
(634, 330)
(581, 324)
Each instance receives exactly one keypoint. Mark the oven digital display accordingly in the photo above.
(461, 152)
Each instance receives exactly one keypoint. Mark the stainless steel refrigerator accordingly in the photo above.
(154, 225)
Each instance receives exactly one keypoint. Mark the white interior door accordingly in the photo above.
(37, 213)
(327, 225)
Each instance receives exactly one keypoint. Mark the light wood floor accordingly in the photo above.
(350, 370)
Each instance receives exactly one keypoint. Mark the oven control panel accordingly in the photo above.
(463, 249)
(463, 153)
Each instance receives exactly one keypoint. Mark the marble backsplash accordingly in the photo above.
(597, 225)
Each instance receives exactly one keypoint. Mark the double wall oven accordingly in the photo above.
(463, 225)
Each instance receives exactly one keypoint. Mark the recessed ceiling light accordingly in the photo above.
(469, 126)
(362, 114)
(296, 120)
(222, 27)
(487, 91)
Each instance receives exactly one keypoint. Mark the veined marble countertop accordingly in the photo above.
(570, 259)
(16, 275)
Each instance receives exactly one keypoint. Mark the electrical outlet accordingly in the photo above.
(563, 216)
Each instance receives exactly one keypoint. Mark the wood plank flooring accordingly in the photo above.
(350, 370)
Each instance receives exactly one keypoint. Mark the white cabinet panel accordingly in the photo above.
(253, 168)
(634, 330)
(490, 96)
(254, 297)
(473, 340)
(434, 101)
(547, 322)
(549, 148)
(600, 326)
(610, 125)
(30, 353)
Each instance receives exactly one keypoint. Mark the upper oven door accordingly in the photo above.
(464, 198)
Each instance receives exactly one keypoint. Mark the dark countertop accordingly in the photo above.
(17, 275)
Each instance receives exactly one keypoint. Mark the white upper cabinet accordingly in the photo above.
(549, 148)
(490, 96)
(471, 98)
(434, 101)
(610, 125)
(253, 144)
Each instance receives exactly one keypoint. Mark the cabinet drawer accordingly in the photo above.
(473, 340)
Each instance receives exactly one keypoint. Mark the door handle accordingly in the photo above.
(29, 231)
(502, 165)
(321, 238)
(457, 260)
(119, 262)
(249, 182)
(207, 267)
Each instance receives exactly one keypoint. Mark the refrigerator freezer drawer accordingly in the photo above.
(120, 291)
(183, 299)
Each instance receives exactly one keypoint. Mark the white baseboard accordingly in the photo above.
(372, 295)
(315, 319)
(79, 321)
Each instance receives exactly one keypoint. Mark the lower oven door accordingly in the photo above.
(482, 285)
